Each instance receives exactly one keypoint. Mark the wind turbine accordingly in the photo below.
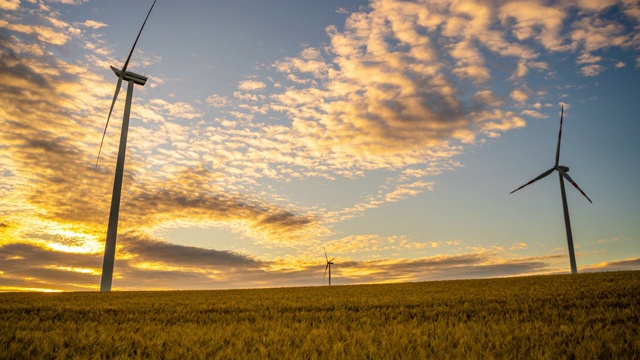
(329, 263)
(112, 230)
(562, 174)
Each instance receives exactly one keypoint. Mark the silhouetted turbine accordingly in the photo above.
(562, 174)
(329, 263)
(112, 230)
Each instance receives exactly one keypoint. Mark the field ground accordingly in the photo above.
(583, 316)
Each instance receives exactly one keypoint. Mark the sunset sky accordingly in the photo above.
(388, 132)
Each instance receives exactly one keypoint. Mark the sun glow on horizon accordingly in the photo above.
(26, 289)
(76, 269)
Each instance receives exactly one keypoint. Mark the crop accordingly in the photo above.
(591, 315)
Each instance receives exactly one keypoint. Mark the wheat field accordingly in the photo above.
(583, 316)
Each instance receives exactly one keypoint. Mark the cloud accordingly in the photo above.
(518, 246)
(535, 21)
(383, 66)
(534, 114)
(616, 265)
(488, 97)
(405, 191)
(148, 264)
(43, 33)
(152, 264)
(9, 4)
(607, 240)
(94, 24)
(251, 85)
(181, 110)
(144, 250)
(187, 200)
(519, 95)
(434, 268)
(592, 70)
(217, 100)
(594, 33)
(588, 58)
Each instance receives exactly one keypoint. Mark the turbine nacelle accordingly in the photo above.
(129, 76)
(563, 168)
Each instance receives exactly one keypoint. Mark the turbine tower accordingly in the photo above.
(112, 230)
(562, 174)
(329, 263)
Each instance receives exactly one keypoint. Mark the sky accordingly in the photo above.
(388, 133)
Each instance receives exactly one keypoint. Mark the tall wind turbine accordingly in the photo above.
(329, 263)
(112, 230)
(562, 174)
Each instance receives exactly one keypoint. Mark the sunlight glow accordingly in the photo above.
(65, 237)
(163, 267)
(13, 289)
(84, 249)
(76, 269)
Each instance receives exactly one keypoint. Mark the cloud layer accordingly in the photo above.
(401, 88)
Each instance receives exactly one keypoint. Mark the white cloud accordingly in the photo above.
(594, 34)
(9, 4)
(251, 85)
(519, 95)
(43, 33)
(588, 58)
(533, 20)
(518, 246)
(178, 109)
(592, 70)
(217, 100)
(404, 191)
(534, 114)
(489, 98)
(94, 24)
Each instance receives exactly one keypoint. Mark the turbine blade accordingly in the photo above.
(126, 63)
(331, 261)
(536, 179)
(325, 254)
(566, 176)
(113, 102)
(559, 136)
(325, 272)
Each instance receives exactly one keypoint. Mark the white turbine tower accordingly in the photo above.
(112, 230)
(562, 174)
(329, 263)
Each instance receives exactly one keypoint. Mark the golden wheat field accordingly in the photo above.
(583, 316)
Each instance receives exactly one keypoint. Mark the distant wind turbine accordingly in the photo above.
(112, 230)
(329, 263)
(562, 174)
